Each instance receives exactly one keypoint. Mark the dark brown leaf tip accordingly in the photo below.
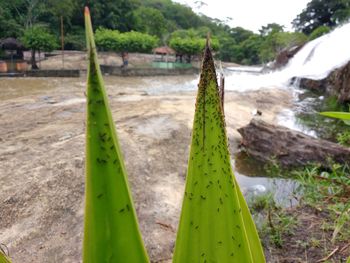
(208, 67)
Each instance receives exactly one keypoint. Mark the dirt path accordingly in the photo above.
(42, 159)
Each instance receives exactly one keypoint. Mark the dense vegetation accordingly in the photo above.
(169, 21)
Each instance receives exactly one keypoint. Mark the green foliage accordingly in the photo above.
(275, 222)
(322, 13)
(263, 202)
(154, 17)
(270, 29)
(280, 224)
(39, 39)
(273, 167)
(320, 31)
(251, 48)
(75, 40)
(240, 34)
(111, 232)
(228, 50)
(180, 15)
(319, 183)
(117, 15)
(191, 42)
(4, 258)
(9, 25)
(215, 223)
(344, 138)
(338, 115)
(275, 42)
(190, 46)
(200, 32)
(113, 40)
(187, 45)
(150, 20)
(328, 189)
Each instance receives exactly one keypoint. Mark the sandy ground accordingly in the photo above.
(42, 159)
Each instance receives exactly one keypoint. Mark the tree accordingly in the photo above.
(112, 14)
(274, 43)
(322, 13)
(271, 28)
(190, 46)
(181, 15)
(321, 30)
(123, 43)
(251, 49)
(149, 20)
(38, 39)
(239, 34)
(9, 25)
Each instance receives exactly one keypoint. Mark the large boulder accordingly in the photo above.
(337, 83)
(266, 142)
(282, 58)
(285, 55)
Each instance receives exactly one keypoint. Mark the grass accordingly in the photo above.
(276, 222)
(317, 226)
(343, 138)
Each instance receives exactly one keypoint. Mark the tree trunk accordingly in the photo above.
(266, 142)
(33, 61)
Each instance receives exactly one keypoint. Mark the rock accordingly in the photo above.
(337, 83)
(282, 58)
(266, 142)
(285, 55)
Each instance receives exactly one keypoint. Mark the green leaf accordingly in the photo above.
(348, 261)
(215, 223)
(3, 258)
(337, 115)
(111, 229)
(341, 221)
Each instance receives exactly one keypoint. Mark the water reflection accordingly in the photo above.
(255, 181)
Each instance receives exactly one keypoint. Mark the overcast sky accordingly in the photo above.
(250, 14)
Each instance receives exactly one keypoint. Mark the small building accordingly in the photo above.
(165, 57)
(12, 55)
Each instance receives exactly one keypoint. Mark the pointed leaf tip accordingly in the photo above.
(87, 11)
(207, 44)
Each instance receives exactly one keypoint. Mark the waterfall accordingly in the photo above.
(315, 61)
(321, 56)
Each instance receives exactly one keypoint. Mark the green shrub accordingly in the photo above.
(320, 31)
(113, 40)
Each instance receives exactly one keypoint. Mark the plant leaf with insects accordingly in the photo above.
(215, 223)
(111, 231)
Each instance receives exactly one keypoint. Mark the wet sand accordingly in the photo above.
(42, 125)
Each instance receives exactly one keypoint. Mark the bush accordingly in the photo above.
(191, 46)
(320, 31)
(39, 39)
(113, 40)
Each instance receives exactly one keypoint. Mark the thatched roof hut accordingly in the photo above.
(11, 43)
(165, 50)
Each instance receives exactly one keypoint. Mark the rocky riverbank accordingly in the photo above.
(42, 158)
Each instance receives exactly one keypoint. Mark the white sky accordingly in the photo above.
(251, 14)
